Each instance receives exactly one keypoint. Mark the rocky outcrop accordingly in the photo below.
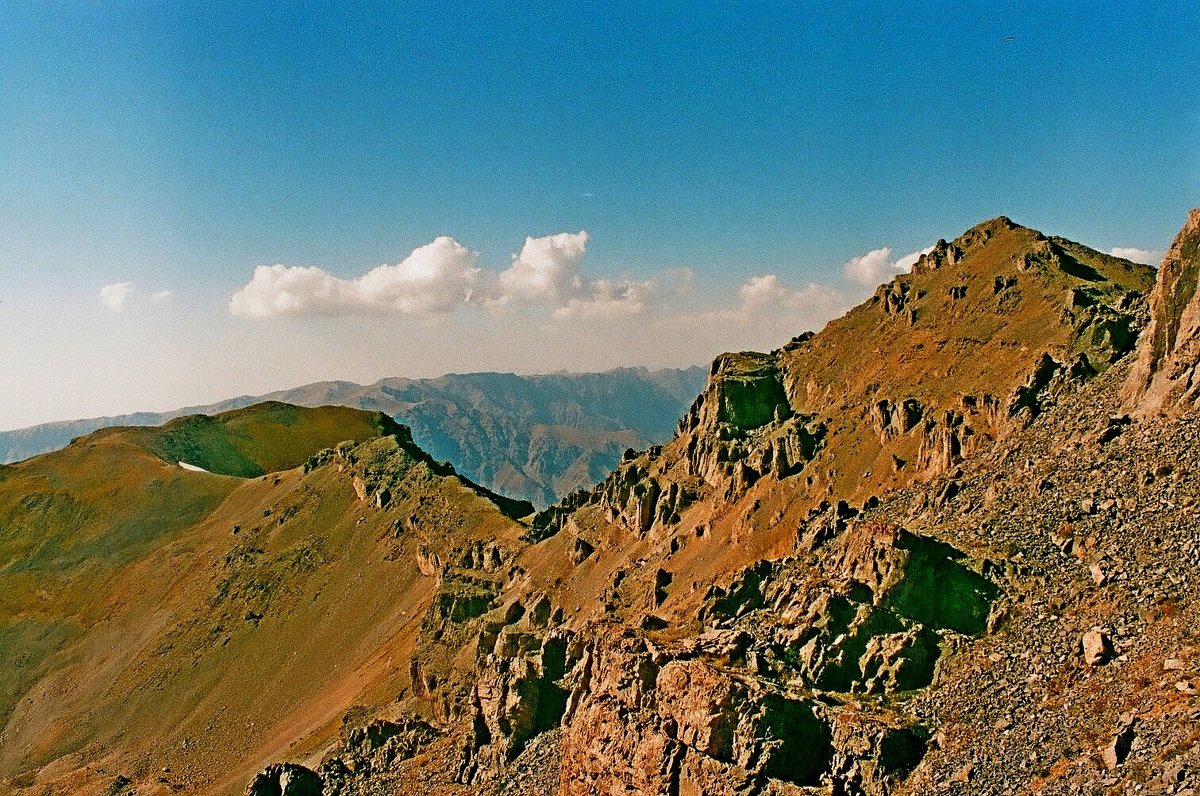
(738, 431)
(730, 440)
(518, 695)
(892, 418)
(381, 471)
(731, 463)
(943, 254)
(1166, 377)
(663, 721)
(744, 391)
(286, 779)
(695, 718)
(867, 616)
(372, 751)
(893, 297)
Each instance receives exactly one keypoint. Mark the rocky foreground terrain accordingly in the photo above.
(948, 544)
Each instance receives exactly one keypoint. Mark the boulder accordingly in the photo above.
(1118, 749)
(286, 779)
(1096, 647)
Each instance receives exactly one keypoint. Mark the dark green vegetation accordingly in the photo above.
(265, 438)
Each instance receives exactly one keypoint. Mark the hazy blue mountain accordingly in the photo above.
(535, 438)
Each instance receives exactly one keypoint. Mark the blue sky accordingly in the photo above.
(179, 146)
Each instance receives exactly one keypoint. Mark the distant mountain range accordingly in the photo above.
(533, 438)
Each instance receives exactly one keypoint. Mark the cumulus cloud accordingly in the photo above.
(546, 270)
(114, 296)
(444, 276)
(162, 297)
(877, 266)
(760, 293)
(1143, 256)
(435, 279)
(766, 299)
(609, 299)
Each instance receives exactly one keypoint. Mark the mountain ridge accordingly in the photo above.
(498, 428)
(921, 550)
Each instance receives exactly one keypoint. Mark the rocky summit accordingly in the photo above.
(947, 544)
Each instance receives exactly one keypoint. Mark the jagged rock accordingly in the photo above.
(581, 550)
(429, 563)
(286, 779)
(1118, 749)
(893, 297)
(1164, 379)
(517, 693)
(875, 750)
(462, 597)
(745, 391)
(944, 443)
(640, 720)
(943, 254)
(892, 418)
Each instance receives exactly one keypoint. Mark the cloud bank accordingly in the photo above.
(1143, 256)
(444, 276)
(877, 266)
(547, 280)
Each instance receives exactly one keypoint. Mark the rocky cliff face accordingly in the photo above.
(1164, 380)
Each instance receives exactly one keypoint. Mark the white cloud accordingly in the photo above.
(761, 293)
(610, 299)
(546, 270)
(876, 266)
(113, 296)
(1143, 256)
(435, 279)
(765, 298)
(162, 297)
(444, 276)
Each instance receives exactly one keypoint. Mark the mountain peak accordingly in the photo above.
(993, 225)
(977, 237)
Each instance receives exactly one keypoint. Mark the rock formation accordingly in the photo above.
(1165, 377)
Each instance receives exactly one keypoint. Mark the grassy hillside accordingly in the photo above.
(141, 601)
(264, 438)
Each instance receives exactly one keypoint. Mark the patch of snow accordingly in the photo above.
(192, 467)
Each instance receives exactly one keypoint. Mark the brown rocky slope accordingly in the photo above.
(171, 629)
(920, 551)
(923, 550)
